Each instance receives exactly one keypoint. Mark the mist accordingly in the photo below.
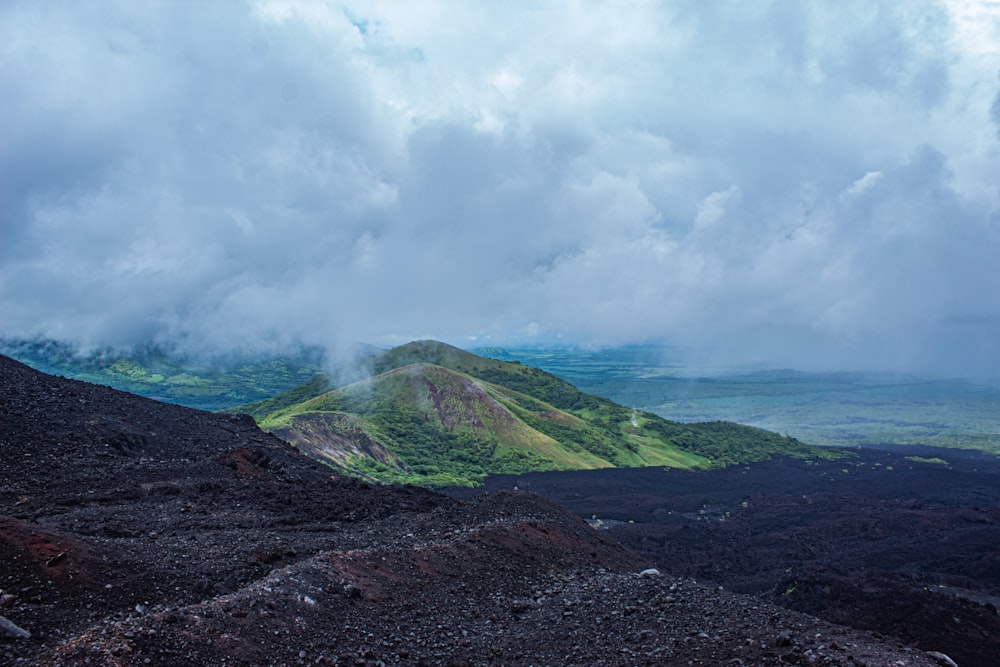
(800, 184)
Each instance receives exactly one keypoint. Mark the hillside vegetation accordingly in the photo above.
(435, 415)
(205, 384)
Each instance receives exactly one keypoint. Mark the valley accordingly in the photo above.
(202, 382)
(839, 409)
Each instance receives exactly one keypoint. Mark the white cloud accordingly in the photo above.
(862, 185)
(776, 177)
(713, 207)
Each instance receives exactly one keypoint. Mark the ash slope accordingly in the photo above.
(136, 532)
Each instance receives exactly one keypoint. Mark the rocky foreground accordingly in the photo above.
(134, 532)
(905, 546)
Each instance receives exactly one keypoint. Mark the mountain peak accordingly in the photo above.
(423, 351)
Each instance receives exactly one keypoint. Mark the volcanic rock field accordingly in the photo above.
(134, 532)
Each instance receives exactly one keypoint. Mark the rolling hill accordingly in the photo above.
(435, 415)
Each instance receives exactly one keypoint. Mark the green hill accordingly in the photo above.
(435, 415)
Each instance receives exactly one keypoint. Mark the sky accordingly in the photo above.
(798, 183)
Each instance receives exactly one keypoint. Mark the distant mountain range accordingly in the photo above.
(435, 415)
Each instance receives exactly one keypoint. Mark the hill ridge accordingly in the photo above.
(450, 417)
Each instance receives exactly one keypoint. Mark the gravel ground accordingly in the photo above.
(134, 532)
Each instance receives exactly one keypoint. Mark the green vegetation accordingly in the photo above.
(727, 443)
(839, 409)
(284, 400)
(835, 409)
(526, 414)
(435, 415)
(206, 384)
(933, 460)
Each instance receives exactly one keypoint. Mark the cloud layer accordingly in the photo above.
(807, 183)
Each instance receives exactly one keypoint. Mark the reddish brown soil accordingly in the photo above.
(134, 532)
(878, 542)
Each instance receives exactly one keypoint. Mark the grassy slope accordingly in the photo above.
(452, 417)
(446, 427)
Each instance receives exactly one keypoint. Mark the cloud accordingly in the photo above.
(995, 111)
(778, 180)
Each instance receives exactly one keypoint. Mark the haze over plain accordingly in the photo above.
(810, 184)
